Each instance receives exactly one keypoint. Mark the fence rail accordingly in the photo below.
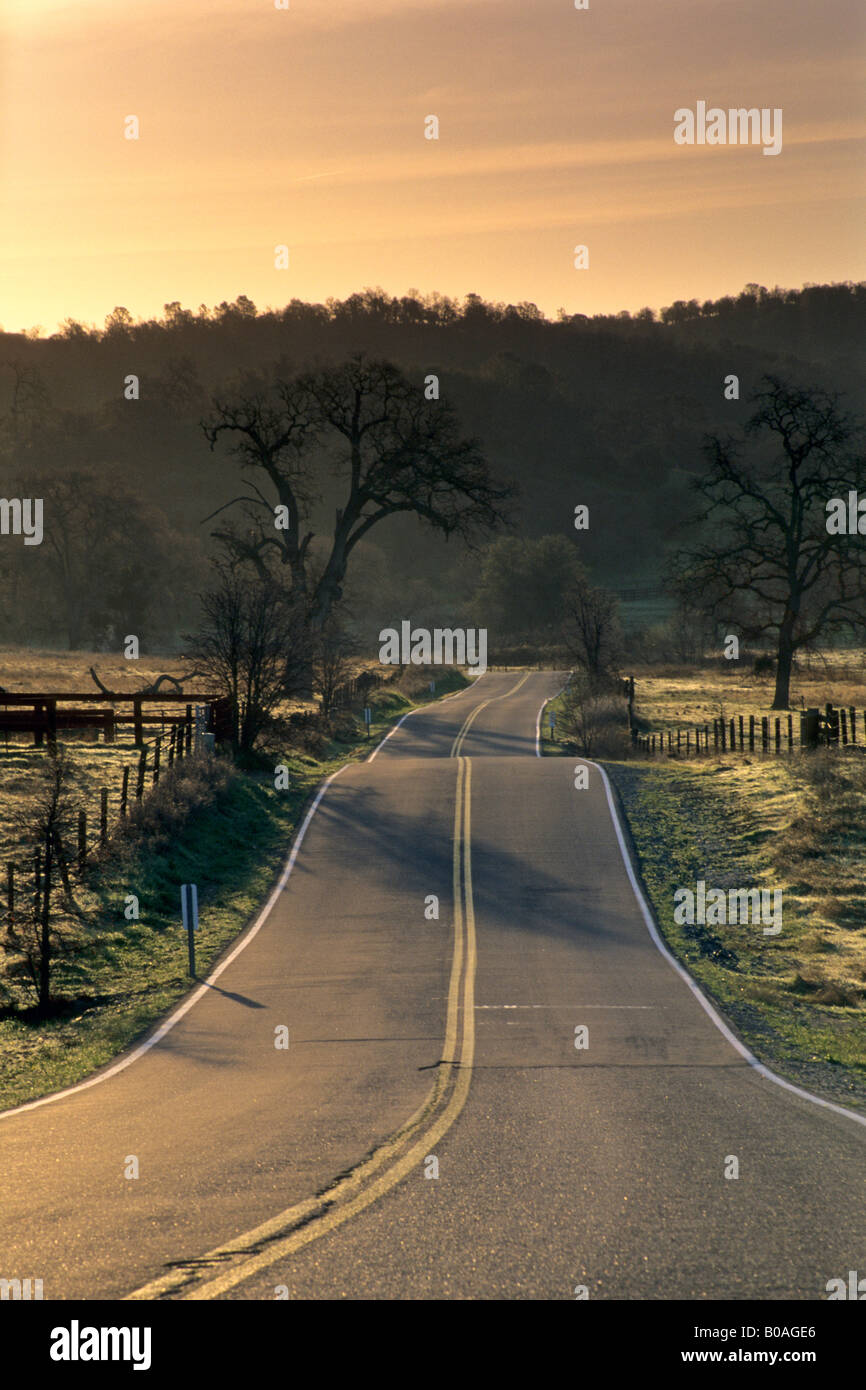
(42, 713)
(94, 826)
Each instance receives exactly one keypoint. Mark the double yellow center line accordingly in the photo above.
(457, 745)
(214, 1274)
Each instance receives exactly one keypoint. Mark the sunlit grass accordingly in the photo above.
(792, 821)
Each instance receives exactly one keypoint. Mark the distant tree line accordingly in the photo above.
(823, 306)
(607, 410)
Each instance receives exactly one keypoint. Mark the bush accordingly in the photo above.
(344, 726)
(595, 720)
(186, 788)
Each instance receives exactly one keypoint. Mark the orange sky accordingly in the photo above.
(306, 127)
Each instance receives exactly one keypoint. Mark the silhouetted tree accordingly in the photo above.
(592, 631)
(523, 586)
(108, 562)
(251, 643)
(395, 452)
(768, 559)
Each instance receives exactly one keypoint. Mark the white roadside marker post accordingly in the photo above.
(189, 912)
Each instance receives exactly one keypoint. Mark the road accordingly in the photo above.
(432, 1130)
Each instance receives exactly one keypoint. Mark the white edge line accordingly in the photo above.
(705, 1004)
(538, 719)
(393, 731)
(177, 1014)
(431, 704)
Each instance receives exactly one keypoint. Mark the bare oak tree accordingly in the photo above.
(768, 560)
(393, 450)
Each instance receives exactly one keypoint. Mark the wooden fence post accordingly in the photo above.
(810, 728)
(51, 718)
(138, 736)
(751, 733)
(64, 867)
(124, 793)
(741, 733)
(765, 732)
(157, 748)
(843, 720)
(853, 714)
(778, 733)
(790, 732)
(733, 735)
(103, 814)
(171, 738)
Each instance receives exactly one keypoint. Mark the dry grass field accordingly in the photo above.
(677, 697)
(808, 811)
(95, 764)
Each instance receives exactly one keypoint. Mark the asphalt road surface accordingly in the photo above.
(517, 1098)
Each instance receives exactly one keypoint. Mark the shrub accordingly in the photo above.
(594, 719)
(187, 787)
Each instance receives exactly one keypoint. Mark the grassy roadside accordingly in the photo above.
(121, 977)
(798, 1000)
